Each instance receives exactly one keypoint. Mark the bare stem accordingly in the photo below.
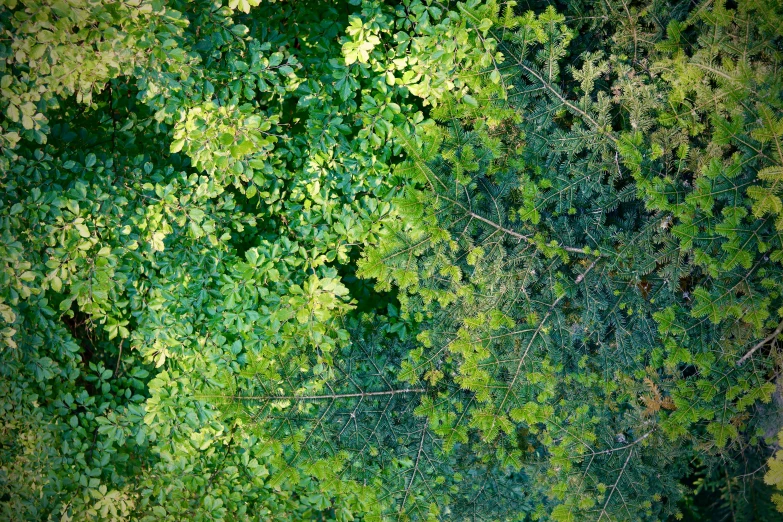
(327, 397)
(767, 339)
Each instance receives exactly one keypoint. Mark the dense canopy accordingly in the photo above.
(391, 260)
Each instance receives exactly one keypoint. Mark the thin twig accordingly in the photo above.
(415, 470)
(517, 235)
(313, 397)
(119, 358)
(615, 486)
(769, 338)
(613, 450)
(582, 275)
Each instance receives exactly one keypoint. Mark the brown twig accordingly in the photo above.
(313, 397)
(769, 338)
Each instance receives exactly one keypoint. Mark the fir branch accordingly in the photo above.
(413, 472)
(630, 444)
(614, 487)
(519, 236)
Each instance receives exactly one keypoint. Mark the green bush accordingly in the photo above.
(337, 260)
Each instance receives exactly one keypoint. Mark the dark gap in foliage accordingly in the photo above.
(81, 328)
(368, 298)
(732, 491)
(688, 370)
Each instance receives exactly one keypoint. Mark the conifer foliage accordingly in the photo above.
(412, 260)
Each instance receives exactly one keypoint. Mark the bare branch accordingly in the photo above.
(326, 397)
(771, 337)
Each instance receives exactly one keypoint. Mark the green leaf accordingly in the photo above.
(176, 145)
(82, 229)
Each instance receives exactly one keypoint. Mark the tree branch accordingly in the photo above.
(769, 338)
(415, 470)
(313, 397)
(614, 487)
